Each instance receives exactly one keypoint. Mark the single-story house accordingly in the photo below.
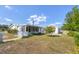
(25, 30)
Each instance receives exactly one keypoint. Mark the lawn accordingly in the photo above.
(40, 44)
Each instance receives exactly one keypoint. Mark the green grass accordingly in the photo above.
(40, 44)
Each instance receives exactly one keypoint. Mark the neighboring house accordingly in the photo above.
(57, 29)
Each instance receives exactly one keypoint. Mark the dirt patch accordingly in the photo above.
(39, 44)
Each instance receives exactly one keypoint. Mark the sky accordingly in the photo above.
(43, 15)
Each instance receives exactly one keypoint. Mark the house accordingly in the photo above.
(26, 30)
(34, 29)
(57, 32)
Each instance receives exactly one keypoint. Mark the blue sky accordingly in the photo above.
(42, 14)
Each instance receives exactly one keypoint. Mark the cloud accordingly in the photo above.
(55, 24)
(37, 19)
(8, 7)
(51, 25)
(58, 23)
(33, 16)
(42, 18)
(7, 19)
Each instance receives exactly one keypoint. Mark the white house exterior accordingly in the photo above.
(25, 30)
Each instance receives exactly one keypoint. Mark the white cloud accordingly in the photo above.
(28, 19)
(8, 7)
(51, 25)
(42, 18)
(57, 23)
(7, 19)
(37, 19)
(30, 22)
(33, 16)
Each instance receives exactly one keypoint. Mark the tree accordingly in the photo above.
(3, 27)
(72, 20)
(50, 29)
(72, 23)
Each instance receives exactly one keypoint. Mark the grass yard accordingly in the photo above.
(40, 44)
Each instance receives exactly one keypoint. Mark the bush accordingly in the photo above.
(76, 36)
(12, 31)
(50, 29)
(71, 33)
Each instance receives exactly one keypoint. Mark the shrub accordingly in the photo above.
(76, 36)
(12, 31)
(71, 33)
(50, 29)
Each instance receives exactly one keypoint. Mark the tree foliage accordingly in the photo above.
(3, 27)
(72, 20)
(12, 31)
(50, 29)
(72, 23)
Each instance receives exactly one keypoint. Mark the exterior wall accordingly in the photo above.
(26, 30)
(33, 29)
(42, 30)
(22, 31)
